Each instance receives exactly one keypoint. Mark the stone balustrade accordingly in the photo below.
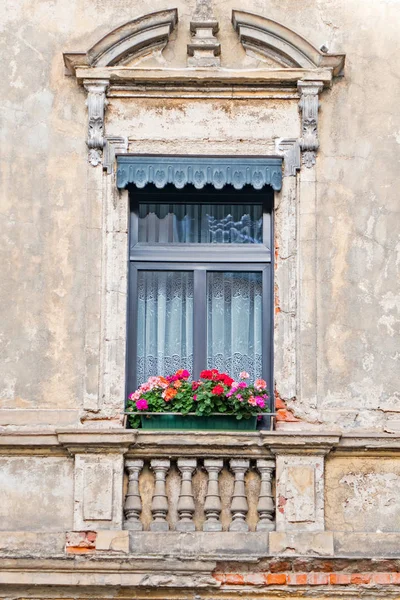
(199, 494)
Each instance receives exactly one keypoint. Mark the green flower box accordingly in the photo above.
(192, 422)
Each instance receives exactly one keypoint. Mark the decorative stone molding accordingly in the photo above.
(309, 106)
(113, 145)
(96, 103)
(290, 150)
(145, 34)
(204, 49)
(199, 171)
(279, 43)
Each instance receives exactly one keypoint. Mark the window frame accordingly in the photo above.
(200, 259)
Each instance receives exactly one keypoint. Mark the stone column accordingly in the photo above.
(133, 503)
(212, 505)
(186, 500)
(159, 504)
(266, 507)
(239, 506)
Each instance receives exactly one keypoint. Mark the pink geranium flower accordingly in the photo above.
(260, 401)
(142, 404)
(244, 375)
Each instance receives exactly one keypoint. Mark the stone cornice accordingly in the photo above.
(136, 443)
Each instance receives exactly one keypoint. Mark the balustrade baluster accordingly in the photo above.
(186, 501)
(133, 503)
(265, 506)
(159, 504)
(212, 505)
(239, 506)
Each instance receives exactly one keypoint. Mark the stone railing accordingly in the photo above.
(199, 494)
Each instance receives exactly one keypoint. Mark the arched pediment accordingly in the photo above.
(145, 34)
(275, 41)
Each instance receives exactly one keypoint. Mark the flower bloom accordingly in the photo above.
(218, 390)
(195, 385)
(260, 402)
(260, 384)
(252, 401)
(194, 397)
(206, 374)
(169, 393)
(242, 385)
(177, 384)
(142, 404)
(239, 397)
(244, 375)
(224, 378)
(183, 374)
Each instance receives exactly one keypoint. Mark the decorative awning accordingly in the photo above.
(199, 171)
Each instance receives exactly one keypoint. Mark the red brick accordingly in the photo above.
(279, 403)
(318, 578)
(77, 550)
(396, 578)
(219, 577)
(234, 579)
(360, 578)
(254, 579)
(297, 578)
(381, 578)
(285, 415)
(340, 578)
(275, 578)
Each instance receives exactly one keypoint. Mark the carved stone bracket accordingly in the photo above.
(309, 105)
(290, 150)
(204, 49)
(96, 103)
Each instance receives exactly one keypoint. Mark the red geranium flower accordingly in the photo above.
(206, 374)
(218, 390)
(195, 385)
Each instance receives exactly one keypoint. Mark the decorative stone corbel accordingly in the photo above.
(204, 49)
(309, 105)
(96, 103)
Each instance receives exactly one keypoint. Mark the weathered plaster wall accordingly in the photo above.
(46, 231)
(36, 494)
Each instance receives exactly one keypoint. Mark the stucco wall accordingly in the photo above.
(45, 232)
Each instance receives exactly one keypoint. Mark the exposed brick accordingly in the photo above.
(279, 566)
(285, 415)
(396, 578)
(234, 579)
(360, 578)
(254, 579)
(340, 578)
(219, 577)
(275, 578)
(297, 578)
(279, 403)
(318, 578)
(78, 550)
(381, 578)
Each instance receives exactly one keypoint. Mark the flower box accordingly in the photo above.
(192, 422)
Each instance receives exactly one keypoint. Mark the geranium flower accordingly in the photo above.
(252, 401)
(169, 393)
(244, 375)
(195, 385)
(177, 384)
(260, 401)
(218, 390)
(142, 404)
(242, 385)
(260, 384)
(206, 374)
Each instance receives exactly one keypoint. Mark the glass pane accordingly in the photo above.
(234, 333)
(165, 323)
(201, 223)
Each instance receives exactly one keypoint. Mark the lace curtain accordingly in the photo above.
(200, 223)
(235, 323)
(165, 323)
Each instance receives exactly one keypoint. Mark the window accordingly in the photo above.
(200, 281)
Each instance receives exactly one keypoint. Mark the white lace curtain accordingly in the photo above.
(165, 323)
(200, 223)
(235, 323)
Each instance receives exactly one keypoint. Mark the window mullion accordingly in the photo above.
(199, 322)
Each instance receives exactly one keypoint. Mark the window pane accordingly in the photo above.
(165, 323)
(234, 333)
(200, 223)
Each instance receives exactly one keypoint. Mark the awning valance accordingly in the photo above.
(199, 171)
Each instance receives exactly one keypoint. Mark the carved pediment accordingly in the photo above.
(275, 42)
(143, 35)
